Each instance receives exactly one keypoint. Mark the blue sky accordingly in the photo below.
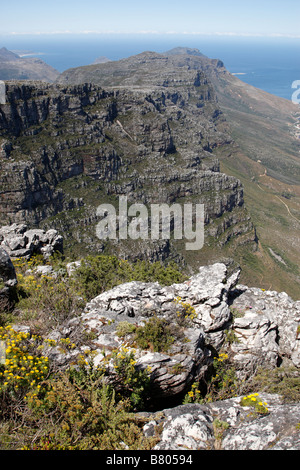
(231, 17)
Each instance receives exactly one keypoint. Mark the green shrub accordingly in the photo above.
(55, 298)
(223, 382)
(219, 427)
(79, 411)
(100, 273)
(25, 367)
(194, 395)
(185, 312)
(129, 381)
(155, 335)
(49, 299)
(125, 328)
(79, 408)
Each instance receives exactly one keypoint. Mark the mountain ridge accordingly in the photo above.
(265, 158)
(172, 89)
(118, 142)
(14, 67)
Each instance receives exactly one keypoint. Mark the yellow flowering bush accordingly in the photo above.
(79, 411)
(222, 382)
(194, 395)
(24, 368)
(185, 312)
(253, 400)
(130, 382)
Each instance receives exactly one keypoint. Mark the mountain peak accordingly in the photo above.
(185, 50)
(7, 55)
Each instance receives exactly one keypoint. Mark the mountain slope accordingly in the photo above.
(268, 165)
(155, 134)
(264, 153)
(67, 149)
(14, 67)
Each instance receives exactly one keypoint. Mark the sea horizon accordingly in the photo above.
(269, 63)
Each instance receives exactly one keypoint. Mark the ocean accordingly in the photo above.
(271, 64)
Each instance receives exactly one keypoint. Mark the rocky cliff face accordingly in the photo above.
(265, 155)
(67, 149)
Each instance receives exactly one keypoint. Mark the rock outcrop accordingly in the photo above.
(265, 327)
(227, 425)
(7, 271)
(20, 241)
(266, 324)
(201, 313)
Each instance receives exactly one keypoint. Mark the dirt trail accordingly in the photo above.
(287, 207)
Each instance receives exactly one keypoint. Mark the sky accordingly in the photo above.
(220, 17)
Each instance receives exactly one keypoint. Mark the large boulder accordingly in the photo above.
(266, 326)
(8, 276)
(8, 280)
(227, 425)
(187, 359)
(19, 241)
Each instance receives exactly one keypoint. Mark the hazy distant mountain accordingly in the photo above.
(101, 60)
(185, 50)
(7, 56)
(14, 67)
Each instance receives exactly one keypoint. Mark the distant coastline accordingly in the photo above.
(271, 65)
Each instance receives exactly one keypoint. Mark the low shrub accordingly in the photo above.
(194, 395)
(24, 368)
(155, 335)
(84, 415)
(130, 382)
(53, 298)
(78, 408)
(99, 273)
(185, 312)
(125, 328)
